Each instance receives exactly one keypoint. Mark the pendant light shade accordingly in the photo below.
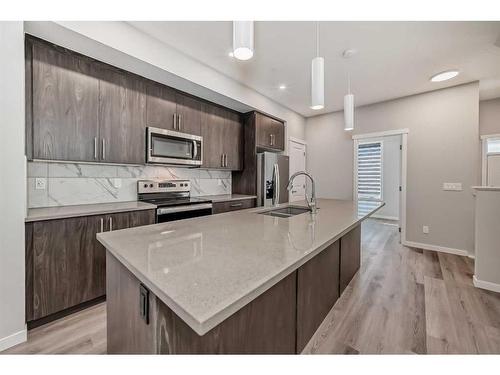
(318, 83)
(317, 77)
(349, 107)
(243, 40)
(349, 112)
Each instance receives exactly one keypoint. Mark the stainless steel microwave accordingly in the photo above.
(173, 148)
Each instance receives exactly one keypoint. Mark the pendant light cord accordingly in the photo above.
(317, 38)
(348, 82)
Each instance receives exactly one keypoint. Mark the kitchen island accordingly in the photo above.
(239, 282)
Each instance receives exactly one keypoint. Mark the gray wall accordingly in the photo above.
(489, 116)
(443, 146)
(12, 181)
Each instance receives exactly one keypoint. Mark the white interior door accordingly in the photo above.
(297, 154)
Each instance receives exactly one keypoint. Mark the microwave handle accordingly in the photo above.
(195, 150)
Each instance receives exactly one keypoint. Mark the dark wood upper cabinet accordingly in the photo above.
(222, 134)
(270, 133)
(171, 110)
(188, 114)
(65, 104)
(80, 109)
(212, 130)
(233, 141)
(161, 106)
(122, 116)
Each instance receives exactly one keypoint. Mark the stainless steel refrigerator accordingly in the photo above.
(272, 179)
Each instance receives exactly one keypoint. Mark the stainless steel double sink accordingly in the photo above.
(286, 212)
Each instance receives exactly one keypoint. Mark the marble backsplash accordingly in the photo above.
(74, 183)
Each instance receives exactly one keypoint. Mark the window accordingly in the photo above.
(369, 176)
(493, 145)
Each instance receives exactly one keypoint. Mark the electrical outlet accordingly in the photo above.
(40, 183)
(425, 229)
(452, 186)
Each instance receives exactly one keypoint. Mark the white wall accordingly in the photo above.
(120, 44)
(443, 146)
(489, 117)
(12, 183)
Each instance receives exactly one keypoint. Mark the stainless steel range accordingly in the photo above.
(173, 199)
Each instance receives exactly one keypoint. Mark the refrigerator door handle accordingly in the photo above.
(276, 184)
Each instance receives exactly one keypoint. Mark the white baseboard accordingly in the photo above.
(485, 284)
(395, 218)
(441, 249)
(14, 339)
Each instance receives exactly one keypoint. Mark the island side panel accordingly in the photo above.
(264, 326)
(317, 292)
(350, 256)
(127, 332)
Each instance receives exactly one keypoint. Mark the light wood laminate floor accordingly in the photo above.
(403, 300)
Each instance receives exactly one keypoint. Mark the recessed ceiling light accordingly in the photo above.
(443, 76)
(282, 87)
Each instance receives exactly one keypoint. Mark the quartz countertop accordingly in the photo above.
(207, 268)
(227, 197)
(50, 213)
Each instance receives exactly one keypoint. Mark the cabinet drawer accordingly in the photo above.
(220, 207)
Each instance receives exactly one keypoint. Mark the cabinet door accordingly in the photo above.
(65, 105)
(350, 256)
(233, 141)
(66, 269)
(161, 106)
(262, 130)
(124, 220)
(189, 114)
(212, 129)
(317, 292)
(122, 116)
(277, 132)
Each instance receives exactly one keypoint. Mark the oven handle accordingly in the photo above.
(184, 208)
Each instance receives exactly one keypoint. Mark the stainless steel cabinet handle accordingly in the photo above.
(222, 160)
(270, 139)
(225, 160)
(110, 223)
(95, 147)
(103, 149)
(236, 205)
(175, 121)
(102, 224)
(179, 117)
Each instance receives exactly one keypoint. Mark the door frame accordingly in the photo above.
(357, 139)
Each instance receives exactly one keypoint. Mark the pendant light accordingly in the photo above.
(243, 40)
(349, 107)
(317, 77)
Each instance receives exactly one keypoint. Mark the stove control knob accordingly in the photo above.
(145, 185)
(150, 185)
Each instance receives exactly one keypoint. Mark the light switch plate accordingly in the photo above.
(425, 229)
(452, 186)
(40, 183)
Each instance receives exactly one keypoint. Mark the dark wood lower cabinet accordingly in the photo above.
(221, 207)
(317, 292)
(281, 320)
(65, 264)
(350, 256)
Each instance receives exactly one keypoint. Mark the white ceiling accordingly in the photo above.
(393, 59)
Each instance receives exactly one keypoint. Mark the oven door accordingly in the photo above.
(173, 148)
(164, 214)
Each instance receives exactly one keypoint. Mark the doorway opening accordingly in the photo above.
(297, 154)
(380, 175)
